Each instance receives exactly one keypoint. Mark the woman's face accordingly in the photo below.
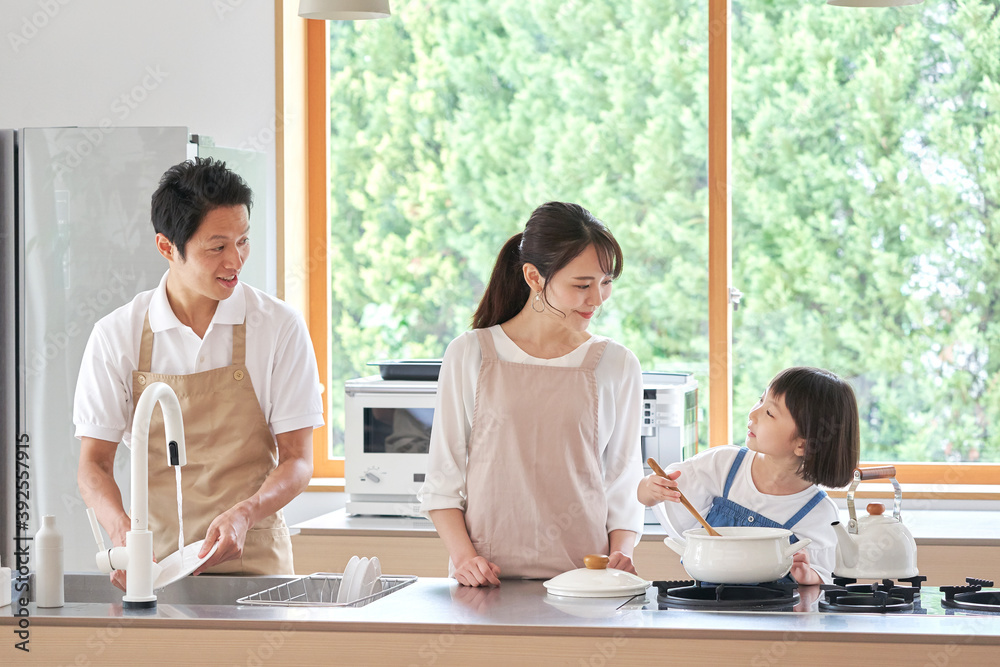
(577, 290)
(771, 428)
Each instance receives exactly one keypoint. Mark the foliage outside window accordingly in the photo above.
(866, 154)
(866, 214)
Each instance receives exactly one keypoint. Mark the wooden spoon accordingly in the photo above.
(684, 501)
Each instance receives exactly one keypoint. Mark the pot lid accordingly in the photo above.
(596, 580)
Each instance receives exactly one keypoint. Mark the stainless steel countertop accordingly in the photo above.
(967, 527)
(433, 605)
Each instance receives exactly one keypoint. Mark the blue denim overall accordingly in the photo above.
(725, 512)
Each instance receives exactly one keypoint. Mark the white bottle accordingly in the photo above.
(5, 589)
(48, 564)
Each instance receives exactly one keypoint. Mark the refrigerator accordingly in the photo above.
(76, 243)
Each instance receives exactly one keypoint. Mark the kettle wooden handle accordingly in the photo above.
(878, 472)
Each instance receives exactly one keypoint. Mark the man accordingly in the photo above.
(243, 367)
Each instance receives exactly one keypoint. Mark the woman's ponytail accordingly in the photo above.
(507, 291)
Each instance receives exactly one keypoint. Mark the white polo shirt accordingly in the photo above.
(279, 359)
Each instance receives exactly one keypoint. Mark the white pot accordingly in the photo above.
(742, 555)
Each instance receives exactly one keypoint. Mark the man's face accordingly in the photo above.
(214, 256)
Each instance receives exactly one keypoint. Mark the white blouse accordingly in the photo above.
(619, 381)
(703, 479)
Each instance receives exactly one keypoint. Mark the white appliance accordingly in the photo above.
(387, 433)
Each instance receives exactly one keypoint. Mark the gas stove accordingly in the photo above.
(844, 596)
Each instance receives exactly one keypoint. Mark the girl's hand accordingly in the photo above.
(477, 571)
(654, 489)
(620, 561)
(802, 571)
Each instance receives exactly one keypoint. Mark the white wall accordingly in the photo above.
(204, 64)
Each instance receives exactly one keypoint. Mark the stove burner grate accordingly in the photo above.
(878, 601)
(729, 597)
(887, 585)
(971, 597)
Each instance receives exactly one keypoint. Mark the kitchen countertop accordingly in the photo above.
(944, 527)
(434, 605)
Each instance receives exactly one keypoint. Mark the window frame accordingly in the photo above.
(312, 39)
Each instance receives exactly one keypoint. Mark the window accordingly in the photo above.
(864, 189)
(451, 122)
(865, 208)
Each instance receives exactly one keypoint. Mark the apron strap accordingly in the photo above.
(240, 343)
(594, 355)
(733, 469)
(145, 346)
(486, 345)
(815, 500)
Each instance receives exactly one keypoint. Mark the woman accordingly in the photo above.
(535, 451)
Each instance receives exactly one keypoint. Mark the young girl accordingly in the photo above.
(534, 454)
(803, 431)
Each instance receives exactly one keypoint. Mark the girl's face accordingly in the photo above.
(771, 428)
(577, 290)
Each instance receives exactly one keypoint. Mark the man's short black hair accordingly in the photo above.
(189, 191)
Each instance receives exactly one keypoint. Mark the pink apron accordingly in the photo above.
(536, 503)
(230, 450)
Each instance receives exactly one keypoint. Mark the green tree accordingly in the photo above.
(452, 122)
(866, 182)
(865, 188)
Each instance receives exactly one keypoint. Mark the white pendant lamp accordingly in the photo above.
(873, 3)
(344, 10)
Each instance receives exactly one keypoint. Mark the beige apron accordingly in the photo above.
(535, 491)
(230, 450)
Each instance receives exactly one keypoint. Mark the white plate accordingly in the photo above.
(369, 576)
(377, 584)
(347, 578)
(181, 563)
(357, 580)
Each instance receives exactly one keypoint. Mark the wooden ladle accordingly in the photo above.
(684, 501)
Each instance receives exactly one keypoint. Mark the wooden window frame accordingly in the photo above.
(311, 164)
(302, 112)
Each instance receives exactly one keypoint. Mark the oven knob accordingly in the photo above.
(372, 477)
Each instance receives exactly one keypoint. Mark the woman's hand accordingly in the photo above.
(802, 571)
(477, 571)
(619, 561)
(654, 489)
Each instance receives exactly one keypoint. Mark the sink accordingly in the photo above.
(205, 589)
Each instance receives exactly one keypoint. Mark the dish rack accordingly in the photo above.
(320, 590)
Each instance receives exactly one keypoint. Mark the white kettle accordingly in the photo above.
(876, 546)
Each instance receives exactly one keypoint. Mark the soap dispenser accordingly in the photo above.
(49, 564)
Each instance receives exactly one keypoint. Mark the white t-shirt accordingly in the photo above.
(703, 479)
(279, 359)
(619, 383)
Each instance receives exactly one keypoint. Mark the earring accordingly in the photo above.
(538, 300)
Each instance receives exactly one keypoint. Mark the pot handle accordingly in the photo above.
(792, 549)
(675, 545)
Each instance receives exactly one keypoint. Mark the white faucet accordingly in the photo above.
(136, 557)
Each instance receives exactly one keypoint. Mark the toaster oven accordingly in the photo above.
(387, 434)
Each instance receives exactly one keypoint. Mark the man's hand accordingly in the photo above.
(229, 529)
